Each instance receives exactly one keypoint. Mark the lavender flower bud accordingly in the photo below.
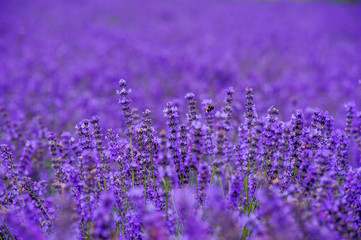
(350, 110)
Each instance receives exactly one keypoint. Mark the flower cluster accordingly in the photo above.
(272, 179)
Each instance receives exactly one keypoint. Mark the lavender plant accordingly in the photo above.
(256, 161)
(290, 180)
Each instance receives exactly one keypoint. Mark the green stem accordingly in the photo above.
(252, 201)
(100, 188)
(213, 170)
(105, 184)
(9, 232)
(88, 230)
(123, 230)
(42, 207)
(167, 189)
(21, 193)
(244, 233)
(82, 227)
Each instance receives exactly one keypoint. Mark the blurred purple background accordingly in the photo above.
(63, 59)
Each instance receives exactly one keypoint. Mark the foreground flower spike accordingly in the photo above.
(57, 162)
(235, 191)
(203, 179)
(296, 140)
(250, 108)
(97, 134)
(35, 195)
(172, 116)
(184, 153)
(66, 147)
(14, 192)
(197, 144)
(350, 110)
(272, 114)
(83, 131)
(103, 168)
(125, 104)
(192, 115)
(26, 158)
(129, 122)
(270, 141)
(209, 139)
(151, 144)
(228, 109)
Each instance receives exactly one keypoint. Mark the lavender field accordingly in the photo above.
(184, 120)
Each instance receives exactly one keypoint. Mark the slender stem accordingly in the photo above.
(252, 201)
(42, 207)
(105, 184)
(82, 227)
(247, 192)
(88, 230)
(167, 189)
(123, 230)
(9, 232)
(213, 170)
(244, 233)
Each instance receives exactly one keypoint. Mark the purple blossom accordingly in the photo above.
(221, 169)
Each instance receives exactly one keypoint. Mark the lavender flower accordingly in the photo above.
(203, 180)
(350, 109)
(125, 103)
(192, 115)
(250, 108)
